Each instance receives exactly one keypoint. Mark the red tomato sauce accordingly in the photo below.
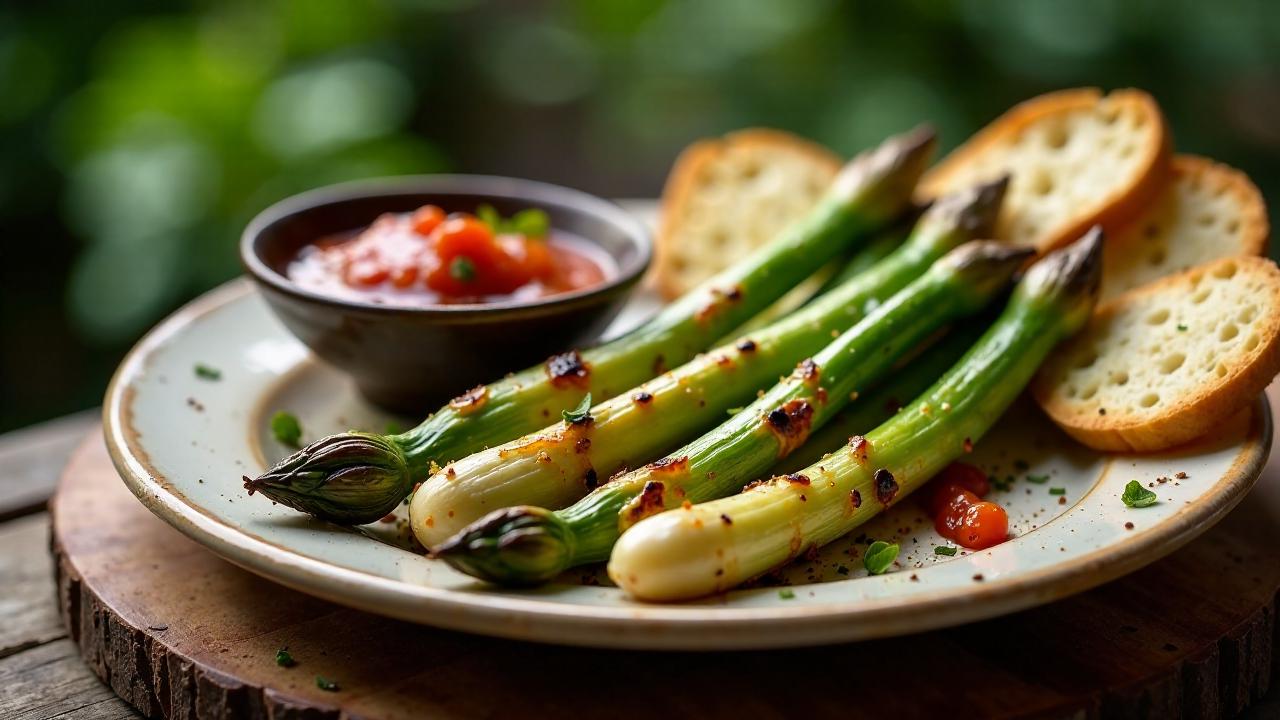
(959, 512)
(429, 258)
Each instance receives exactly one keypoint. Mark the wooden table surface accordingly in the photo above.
(41, 673)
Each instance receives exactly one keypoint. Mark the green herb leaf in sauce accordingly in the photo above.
(326, 684)
(580, 414)
(286, 428)
(1136, 496)
(204, 372)
(787, 594)
(531, 223)
(488, 215)
(879, 557)
(462, 269)
(284, 659)
(1182, 328)
(944, 550)
(1057, 491)
(1038, 479)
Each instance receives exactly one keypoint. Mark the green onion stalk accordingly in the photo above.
(357, 477)
(559, 464)
(888, 398)
(713, 547)
(527, 545)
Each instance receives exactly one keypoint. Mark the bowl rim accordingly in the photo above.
(534, 192)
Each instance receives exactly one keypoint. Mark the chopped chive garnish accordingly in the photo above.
(944, 550)
(1057, 491)
(1038, 479)
(580, 414)
(286, 428)
(204, 372)
(326, 684)
(879, 556)
(1136, 496)
(1182, 328)
(787, 594)
(462, 269)
(284, 659)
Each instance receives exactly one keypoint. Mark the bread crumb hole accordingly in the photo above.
(1228, 332)
(1089, 392)
(750, 171)
(1158, 317)
(1072, 391)
(1172, 362)
(1225, 270)
(1207, 219)
(1151, 231)
(1087, 360)
(1200, 296)
(1149, 400)
(1233, 226)
(1057, 137)
(1252, 341)
(1221, 370)
(1157, 257)
(1126, 151)
(1110, 115)
(1246, 314)
(719, 238)
(1119, 378)
(1042, 184)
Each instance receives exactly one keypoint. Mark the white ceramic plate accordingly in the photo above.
(182, 443)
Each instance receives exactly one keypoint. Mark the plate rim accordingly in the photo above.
(642, 626)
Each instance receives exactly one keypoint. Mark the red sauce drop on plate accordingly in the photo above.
(959, 512)
(426, 258)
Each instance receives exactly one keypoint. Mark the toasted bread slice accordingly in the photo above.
(1166, 363)
(726, 197)
(1077, 158)
(1206, 211)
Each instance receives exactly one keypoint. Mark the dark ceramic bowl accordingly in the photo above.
(411, 360)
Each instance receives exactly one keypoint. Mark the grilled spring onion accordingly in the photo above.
(873, 408)
(561, 463)
(713, 547)
(358, 477)
(525, 545)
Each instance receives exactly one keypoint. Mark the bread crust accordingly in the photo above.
(683, 182)
(1112, 210)
(1196, 412)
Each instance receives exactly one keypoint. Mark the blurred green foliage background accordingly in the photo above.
(139, 137)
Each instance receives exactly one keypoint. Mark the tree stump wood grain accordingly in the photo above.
(178, 632)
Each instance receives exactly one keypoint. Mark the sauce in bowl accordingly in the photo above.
(427, 258)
